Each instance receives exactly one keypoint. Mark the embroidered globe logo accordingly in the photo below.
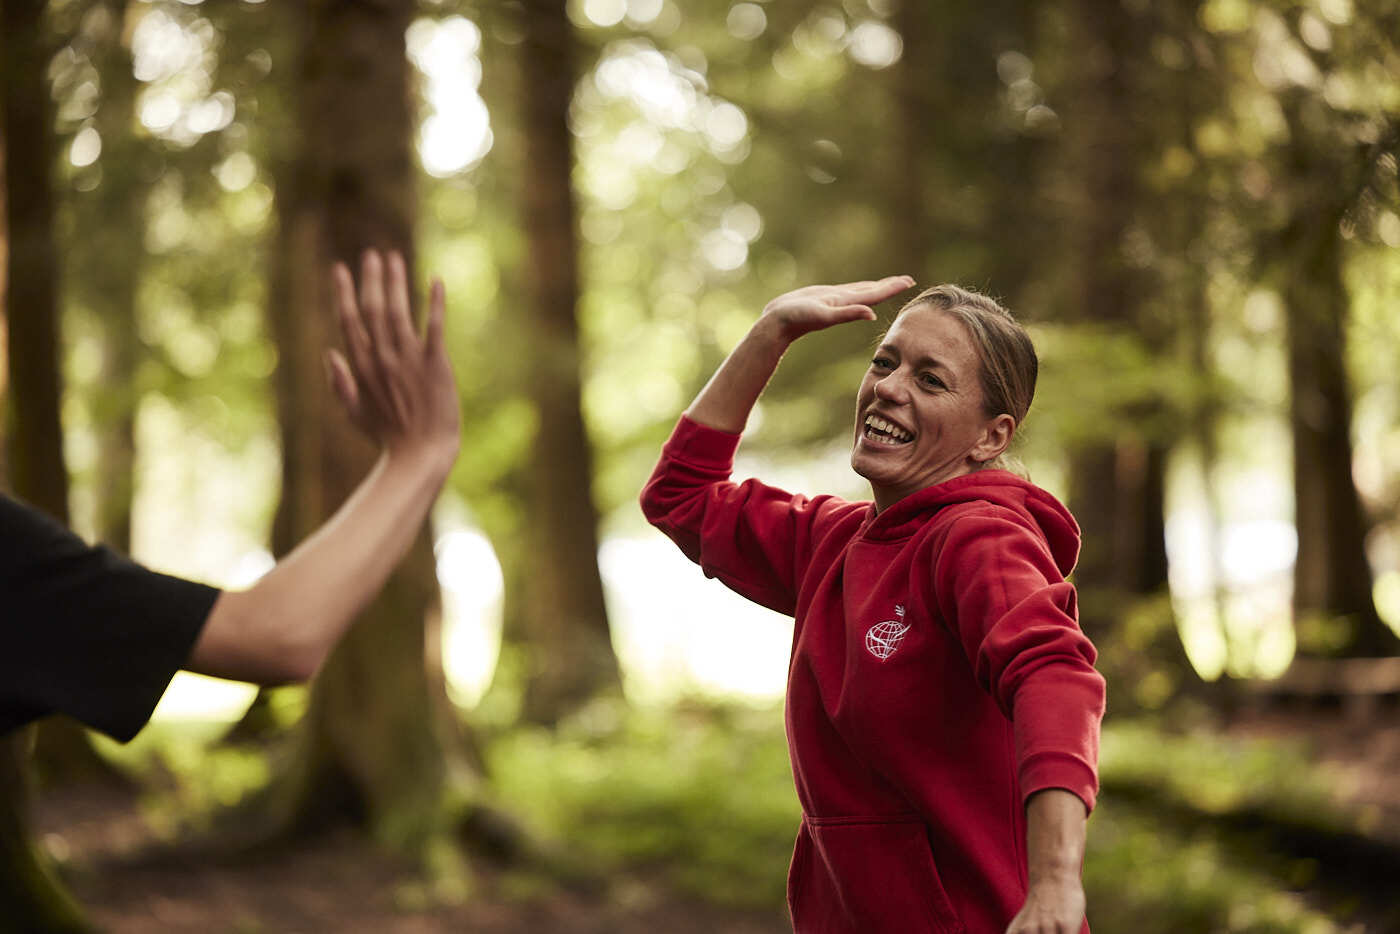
(883, 638)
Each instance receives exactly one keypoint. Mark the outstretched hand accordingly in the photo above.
(1051, 908)
(396, 385)
(820, 306)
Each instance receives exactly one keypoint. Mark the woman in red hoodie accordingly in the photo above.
(942, 705)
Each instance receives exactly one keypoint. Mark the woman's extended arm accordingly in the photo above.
(398, 387)
(1055, 821)
(729, 396)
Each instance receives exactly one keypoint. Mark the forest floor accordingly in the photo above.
(1359, 755)
(131, 881)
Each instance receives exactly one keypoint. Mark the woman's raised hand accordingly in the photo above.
(396, 385)
(814, 307)
(729, 396)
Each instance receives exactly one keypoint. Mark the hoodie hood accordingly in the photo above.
(1035, 507)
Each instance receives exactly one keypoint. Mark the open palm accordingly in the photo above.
(815, 307)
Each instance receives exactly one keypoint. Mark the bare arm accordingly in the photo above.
(729, 396)
(398, 387)
(1055, 825)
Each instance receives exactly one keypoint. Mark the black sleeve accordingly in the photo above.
(85, 632)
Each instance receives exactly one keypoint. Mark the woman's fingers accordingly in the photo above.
(343, 383)
(855, 313)
(400, 317)
(359, 344)
(352, 328)
(878, 289)
(433, 341)
(372, 302)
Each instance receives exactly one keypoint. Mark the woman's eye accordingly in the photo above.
(882, 363)
(931, 381)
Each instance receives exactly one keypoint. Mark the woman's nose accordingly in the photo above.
(891, 388)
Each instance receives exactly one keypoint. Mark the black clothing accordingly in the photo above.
(84, 631)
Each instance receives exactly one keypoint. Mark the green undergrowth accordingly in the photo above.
(189, 776)
(704, 796)
(697, 799)
(701, 795)
(1217, 774)
(1149, 876)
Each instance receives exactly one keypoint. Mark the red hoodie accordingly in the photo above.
(938, 678)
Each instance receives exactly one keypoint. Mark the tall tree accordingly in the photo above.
(1319, 172)
(109, 283)
(379, 741)
(4, 306)
(35, 438)
(63, 751)
(568, 654)
(35, 900)
(1118, 469)
(1332, 579)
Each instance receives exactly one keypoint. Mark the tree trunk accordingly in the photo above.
(1104, 290)
(63, 751)
(31, 895)
(379, 742)
(4, 316)
(34, 439)
(1334, 609)
(569, 654)
(1118, 482)
(111, 281)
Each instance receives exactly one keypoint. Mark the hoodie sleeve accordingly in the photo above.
(1016, 617)
(753, 537)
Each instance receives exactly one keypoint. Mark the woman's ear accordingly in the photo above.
(996, 438)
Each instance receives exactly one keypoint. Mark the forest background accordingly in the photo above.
(550, 721)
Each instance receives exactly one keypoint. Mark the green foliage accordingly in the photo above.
(1147, 876)
(1148, 871)
(700, 797)
(190, 777)
(703, 796)
(1217, 774)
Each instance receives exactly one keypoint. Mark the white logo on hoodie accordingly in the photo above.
(883, 638)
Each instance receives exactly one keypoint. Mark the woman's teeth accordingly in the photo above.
(883, 432)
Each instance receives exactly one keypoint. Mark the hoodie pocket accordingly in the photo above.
(867, 875)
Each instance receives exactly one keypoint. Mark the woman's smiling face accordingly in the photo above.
(919, 413)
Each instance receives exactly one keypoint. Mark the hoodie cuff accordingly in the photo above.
(1059, 770)
(701, 446)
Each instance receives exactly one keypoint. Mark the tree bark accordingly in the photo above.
(31, 894)
(35, 440)
(379, 741)
(1118, 482)
(1102, 149)
(4, 317)
(569, 656)
(63, 752)
(111, 282)
(1334, 609)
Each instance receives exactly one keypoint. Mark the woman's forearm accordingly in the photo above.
(282, 628)
(1055, 831)
(729, 396)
